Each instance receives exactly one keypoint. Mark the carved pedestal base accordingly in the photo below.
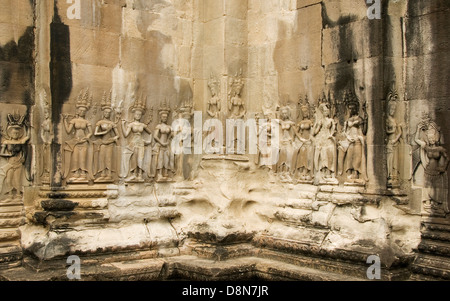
(11, 218)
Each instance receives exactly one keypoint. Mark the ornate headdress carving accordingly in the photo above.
(15, 121)
(140, 104)
(236, 84)
(213, 85)
(84, 99)
(164, 109)
(304, 104)
(187, 107)
(351, 100)
(106, 101)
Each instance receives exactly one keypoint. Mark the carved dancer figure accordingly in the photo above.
(286, 152)
(107, 131)
(304, 154)
(325, 143)
(14, 148)
(214, 104)
(214, 108)
(435, 161)
(134, 153)
(77, 156)
(162, 160)
(236, 107)
(268, 152)
(184, 132)
(47, 137)
(394, 133)
(352, 155)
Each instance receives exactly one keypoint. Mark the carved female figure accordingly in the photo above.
(47, 137)
(214, 104)
(394, 133)
(134, 154)
(76, 150)
(267, 151)
(236, 105)
(305, 149)
(237, 109)
(14, 149)
(162, 161)
(182, 147)
(108, 133)
(324, 131)
(213, 110)
(352, 156)
(286, 144)
(435, 161)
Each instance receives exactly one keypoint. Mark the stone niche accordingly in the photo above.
(226, 139)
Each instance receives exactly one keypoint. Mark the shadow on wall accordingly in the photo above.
(17, 70)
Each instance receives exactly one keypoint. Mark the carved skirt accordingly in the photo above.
(305, 156)
(354, 156)
(105, 158)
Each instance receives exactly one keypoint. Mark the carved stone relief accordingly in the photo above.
(14, 148)
(394, 132)
(133, 168)
(324, 132)
(77, 149)
(162, 156)
(105, 148)
(431, 169)
(47, 138)
(286, 145)
(304, 154)
(237, 113)
(352, 149)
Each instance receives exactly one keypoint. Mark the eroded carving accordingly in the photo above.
(47, 138)
(77, 150)
(286, 152)
(14, 149)
(325, 143)
(434, 161)
(352, 149)
(162, 156)
(394, 133)
(108, 134)
(134, 154)
(237, 112)
(304, 156)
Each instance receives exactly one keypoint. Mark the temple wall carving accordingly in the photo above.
(174, 126)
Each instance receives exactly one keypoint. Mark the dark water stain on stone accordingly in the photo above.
(17, 70)
(60, 75)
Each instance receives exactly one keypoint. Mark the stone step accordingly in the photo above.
(440, 227)
(434, 247)
(9, 235)
(297, 204)
(12, 222)
(184, 268)
(8, 215)
(436, 235)
(432, 266)
(293, 215)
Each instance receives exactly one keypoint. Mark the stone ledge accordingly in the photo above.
(183, 268)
